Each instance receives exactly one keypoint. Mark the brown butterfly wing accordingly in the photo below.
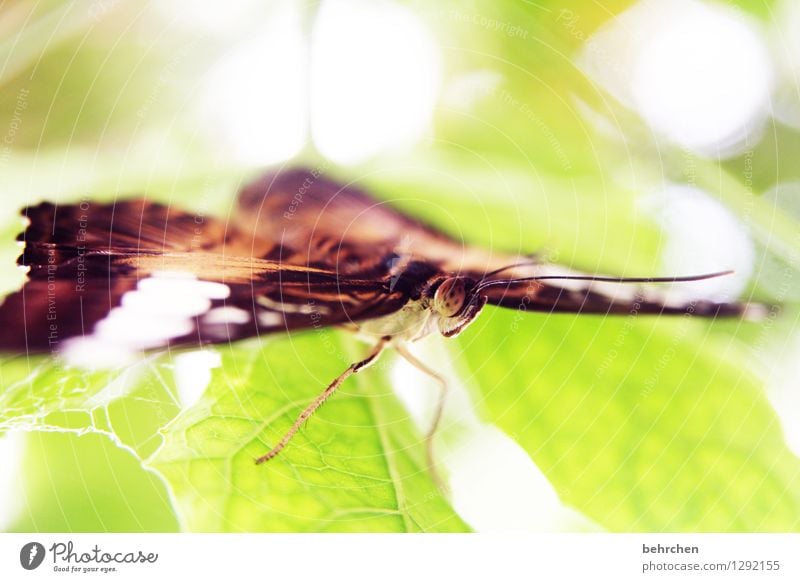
(304, 252)
(330, 222)
(42, 314)
(599, 297)
(118, 271)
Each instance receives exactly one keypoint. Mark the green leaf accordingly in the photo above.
(358, 465)
(40, 393)
(643, 425)
(88, 484)
(82, 465)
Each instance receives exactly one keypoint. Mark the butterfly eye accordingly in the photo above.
(450, 297)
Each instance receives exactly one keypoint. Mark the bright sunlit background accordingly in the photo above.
(641, 137)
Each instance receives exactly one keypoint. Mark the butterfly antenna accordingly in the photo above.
(507, 267)
(685, 279)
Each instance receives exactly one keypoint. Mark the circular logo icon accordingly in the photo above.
(31, 555)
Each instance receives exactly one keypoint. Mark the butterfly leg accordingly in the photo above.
(438, 411)
(320, 400)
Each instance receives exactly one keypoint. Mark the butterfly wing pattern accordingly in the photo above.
(301, 251)
(139, 275)
(338, 223)
(106, 281)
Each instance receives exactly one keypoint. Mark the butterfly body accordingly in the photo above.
(107, 281)
(444, 306)
(411, 322)
(300, 252)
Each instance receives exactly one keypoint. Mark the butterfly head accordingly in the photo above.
(457, 303)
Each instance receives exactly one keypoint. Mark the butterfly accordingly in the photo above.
(106, 281)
